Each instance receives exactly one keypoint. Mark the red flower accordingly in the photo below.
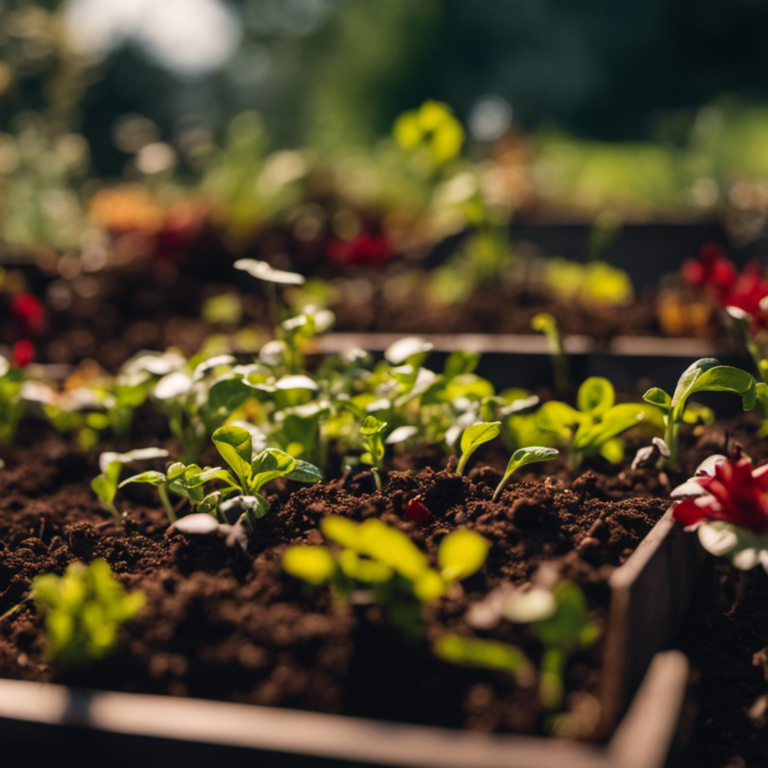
(712, 270)
(416, 512)
(736, 493)
(29, 314)
(363, 249)
(23, 353)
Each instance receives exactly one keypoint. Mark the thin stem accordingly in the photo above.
(163, 491)
(461, 466)
(376, 477)
(16, 607)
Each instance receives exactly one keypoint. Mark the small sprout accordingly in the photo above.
(411, 351)
(250, 473)
(416, 512)
(519, 459)
(84, 609)
(705, 375)
(374, 446)
(11, 401)
(560, 620)
(105, 485)
(546, 324)
(473, 438)
(486, 654)
(387, 565)
(270, 277)
(596, 425)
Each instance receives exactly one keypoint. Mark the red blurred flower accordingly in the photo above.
(416, 512)
(363, 249)
(712, 271)
(23, 353)
(735, 493)
(29, 314)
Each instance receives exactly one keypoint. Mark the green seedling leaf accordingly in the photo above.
(271, 464)
(304, 472)
(461, 553)
(558, 417)
(486, 654)
(236, 448)
(615, 421)
(659, 398)
(473, 438)
(724, 378)
(522, 457)
(83, 610)
(151, 478)
(372, 426)
(315, 565)
(393, 548)
(689, 378)
(460, 362)
(595, 396)
(343, 531)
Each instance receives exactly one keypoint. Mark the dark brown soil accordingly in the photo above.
(222, 624)
(725, 628)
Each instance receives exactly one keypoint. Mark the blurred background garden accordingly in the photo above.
(436, 150)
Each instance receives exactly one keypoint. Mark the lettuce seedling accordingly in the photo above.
(486, 654)
(11, 403)
(473, 438)
(105, 485)
(185, 481)
(546, 324)
(374, 446)
(250, 473)
(271, 278)
(84, 610)
(596, 424)
(384, 562)
(520, 458)
(560, 620)
(705, 375)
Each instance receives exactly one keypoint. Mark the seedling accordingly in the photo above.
(185, 481)
(271, 278)
(374, 446)
(597, 423)
(546, 324)
(11, 403)
(706, 375)
(105, 485)
(250, 473)
(84, 610)
(561, 622)
(486, 654)
(384, 562)
(519, 459)
(473, 438)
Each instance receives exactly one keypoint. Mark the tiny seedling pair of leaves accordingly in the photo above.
(521, 458)
(111, 464)
(473, 438)
(250, 473)
(84, 610)
(596, 424)
(385, 560)
(705, 375)
(372, 431)
(560, 620)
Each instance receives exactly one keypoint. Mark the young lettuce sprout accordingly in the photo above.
(84, 609)
(185, 481)
(597, 423)
(111, 464)
(519, 459)
(546, 324)
(374, 446)
(486, 654)
(705, 375)
(11, 403)
(250, 473)
(386, 563)
(560, 620)
(473, 438)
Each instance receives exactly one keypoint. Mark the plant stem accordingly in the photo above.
(671, 438)
(376, 477)
(461, 466)
(163, 491)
